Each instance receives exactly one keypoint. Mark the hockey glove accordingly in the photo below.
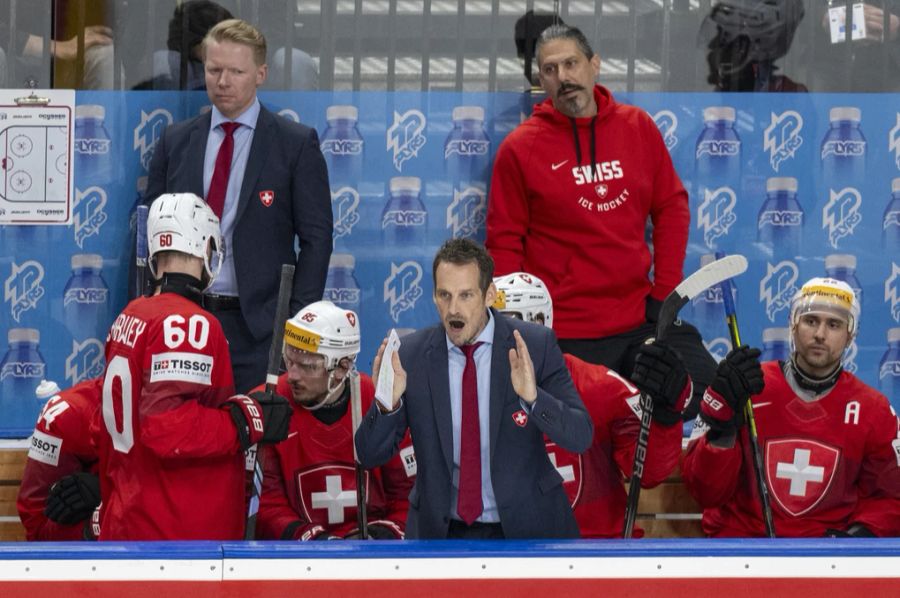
(856, 530)
(260, 418)
(738, 377)
(659, 372)
(73, 498)
(379, 530)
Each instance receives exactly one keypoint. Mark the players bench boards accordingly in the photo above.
(667, 511)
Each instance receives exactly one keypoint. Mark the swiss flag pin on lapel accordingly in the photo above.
(267, 197)
(521, 418)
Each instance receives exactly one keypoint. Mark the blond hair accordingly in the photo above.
(237, 31)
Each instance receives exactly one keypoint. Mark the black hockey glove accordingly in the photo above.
(73, 498)
(659, 372)
(856, 530)
(260, 418)
(738, 377)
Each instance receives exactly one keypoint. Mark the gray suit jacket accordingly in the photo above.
(530, 497)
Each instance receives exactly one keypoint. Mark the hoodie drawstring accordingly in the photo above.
(593, 142)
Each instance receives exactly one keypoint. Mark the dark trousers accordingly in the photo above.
(477, 531)
(617, 352)
(249, 356)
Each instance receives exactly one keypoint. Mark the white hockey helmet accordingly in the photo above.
(325, 329)
(184, 222)
(526, 296)
(826, 296)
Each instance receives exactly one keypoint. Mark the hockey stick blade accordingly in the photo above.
(708, 276)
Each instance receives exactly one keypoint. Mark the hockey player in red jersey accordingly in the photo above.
(594, 479)
(60, 489)
(172, 436)
(829, 442)
(309, 490)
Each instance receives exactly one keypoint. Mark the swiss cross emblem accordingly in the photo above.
(267, 197)
(799, 472)
(601, 190)
(351, 317)
(569, 466)
(525, 277)
(520, 417)
(328, 493)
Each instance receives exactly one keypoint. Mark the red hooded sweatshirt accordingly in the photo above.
(569, 202)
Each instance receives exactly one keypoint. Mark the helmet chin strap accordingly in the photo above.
(334, 393)
(811, 383)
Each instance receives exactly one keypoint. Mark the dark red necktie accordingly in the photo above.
(219, 183)
(469, 504)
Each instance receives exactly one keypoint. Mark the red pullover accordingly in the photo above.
(569, 202)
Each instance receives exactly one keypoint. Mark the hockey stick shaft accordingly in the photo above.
(706, 277)
(141, 249)
(355, 420)
(282, 309)
(758, 466)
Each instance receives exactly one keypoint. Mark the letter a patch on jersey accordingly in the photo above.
(800, 472)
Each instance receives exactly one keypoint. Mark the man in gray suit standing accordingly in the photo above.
(478, 392)
(266, 178)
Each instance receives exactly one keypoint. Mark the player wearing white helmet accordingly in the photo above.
(594, 481)
(828, 440)
(172, 436)
(321, 343)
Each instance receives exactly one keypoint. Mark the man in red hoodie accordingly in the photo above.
(571, 192)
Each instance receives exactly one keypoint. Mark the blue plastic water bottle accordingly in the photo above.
(776, 344)
(844, 149)
(718, 153)
(21, 371)
(342, 146)
(467, 149)
(93, 160)
(341, 287)
(404, 220)
(889, 369)
(86, 298)
(780, 221)
(709, 308)
(842, 266)
(891, 222)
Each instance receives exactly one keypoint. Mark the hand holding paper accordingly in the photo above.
(390, 377)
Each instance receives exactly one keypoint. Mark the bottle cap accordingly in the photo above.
(342, 112)
(406, 183)
(840, 260)
(87, 260)
(781, 183)
(707, 258)
(468, 113)
(714, 113)
(90, 111)
(774, 335)
(23, 335)
(895, 185)
(845, 113)
(342, 260)
(46, 389)
(893, 335)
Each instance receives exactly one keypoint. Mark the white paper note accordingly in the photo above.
(384, 394)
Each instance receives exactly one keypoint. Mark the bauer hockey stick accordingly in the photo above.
(281, 315)
(708, 276)
(141, 249)
(355, 420)
(758, 468)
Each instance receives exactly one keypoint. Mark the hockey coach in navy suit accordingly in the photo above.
(266, 178)
(478, 393)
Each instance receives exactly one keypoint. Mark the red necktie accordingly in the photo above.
(219, 183)
(469, 504)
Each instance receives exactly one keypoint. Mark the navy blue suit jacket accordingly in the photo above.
(285, 159)
(529, 492)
